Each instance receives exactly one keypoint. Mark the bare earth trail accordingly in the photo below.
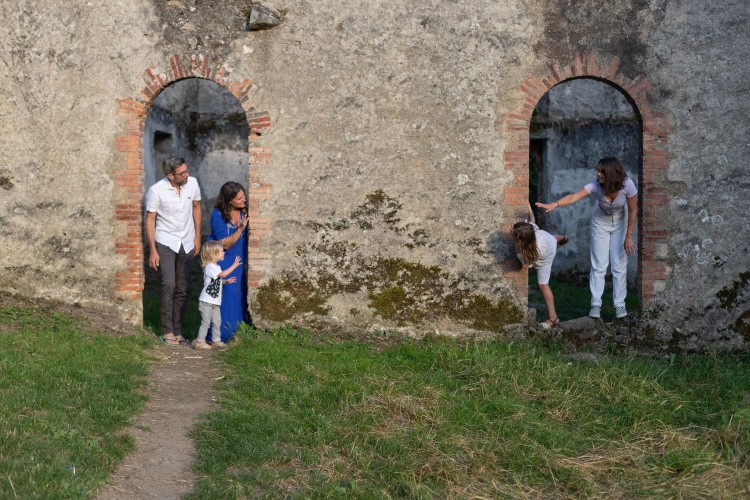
(180, 389)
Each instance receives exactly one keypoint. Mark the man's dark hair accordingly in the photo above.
(171, 164)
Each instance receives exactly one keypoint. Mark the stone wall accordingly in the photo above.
(388, 151)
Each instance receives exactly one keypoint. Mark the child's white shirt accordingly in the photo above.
(546, 245)
(212, 286)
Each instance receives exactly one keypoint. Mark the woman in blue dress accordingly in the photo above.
(229, 226)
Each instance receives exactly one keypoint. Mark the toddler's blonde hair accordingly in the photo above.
(210, 252)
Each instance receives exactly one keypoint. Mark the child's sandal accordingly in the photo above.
(550, 323)
(201, 345)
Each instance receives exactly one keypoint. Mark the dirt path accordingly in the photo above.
(180, 389)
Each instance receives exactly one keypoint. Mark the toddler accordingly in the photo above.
(209, 302)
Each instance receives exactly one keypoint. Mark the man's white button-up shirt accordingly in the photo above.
(174, 213)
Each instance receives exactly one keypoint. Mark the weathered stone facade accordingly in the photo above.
(388, 151)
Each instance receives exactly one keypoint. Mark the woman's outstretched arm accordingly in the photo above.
(565, 200)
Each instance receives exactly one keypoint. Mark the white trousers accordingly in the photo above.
(607, 240)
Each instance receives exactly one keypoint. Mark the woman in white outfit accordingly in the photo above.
(612, 225)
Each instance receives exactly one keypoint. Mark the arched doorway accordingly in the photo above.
(576, 123)
(652, 242)
(129, 175)
(201, 121)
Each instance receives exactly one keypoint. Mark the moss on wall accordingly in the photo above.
(423, 293)
(728, 295)
(742, 325)
(280, 300)
(398, 290)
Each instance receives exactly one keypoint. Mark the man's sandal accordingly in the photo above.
(563, 241)
(170, 341)
(550, 323)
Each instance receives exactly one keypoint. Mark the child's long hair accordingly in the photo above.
(525, 238)
(614, 174)
(210, 252)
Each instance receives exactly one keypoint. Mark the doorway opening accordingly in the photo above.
(573, 126)
(204, 123)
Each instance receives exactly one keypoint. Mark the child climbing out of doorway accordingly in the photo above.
(209, 301)
(536, 248)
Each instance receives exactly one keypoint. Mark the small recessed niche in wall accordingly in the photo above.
(162, 142)
(163, 147)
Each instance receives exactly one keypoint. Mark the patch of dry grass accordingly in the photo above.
(305, 417)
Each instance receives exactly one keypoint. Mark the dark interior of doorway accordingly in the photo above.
(572, 297)
(151, 308)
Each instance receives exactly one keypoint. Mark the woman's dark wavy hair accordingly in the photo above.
(614, 174)
(226, 194)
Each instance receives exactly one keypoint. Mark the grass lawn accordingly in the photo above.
(311, 416)
(65, 393)
(303, 415)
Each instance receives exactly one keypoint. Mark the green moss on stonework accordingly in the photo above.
(377, 206)
(743, 324)
(407, 292)
(375, 203)
(418, 278)
(398, 290)
(281, 300)
(729, 294)
(483, 313)
(377, 198)
(337, 274)
(394, 303)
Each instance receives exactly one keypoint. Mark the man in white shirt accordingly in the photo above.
(173, 222)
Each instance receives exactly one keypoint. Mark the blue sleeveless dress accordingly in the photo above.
(234, 295)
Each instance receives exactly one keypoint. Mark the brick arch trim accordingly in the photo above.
(129, 173)
(652, 269)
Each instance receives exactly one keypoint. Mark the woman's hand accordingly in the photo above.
(548, 206)
(630, 247)
(245, 220)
